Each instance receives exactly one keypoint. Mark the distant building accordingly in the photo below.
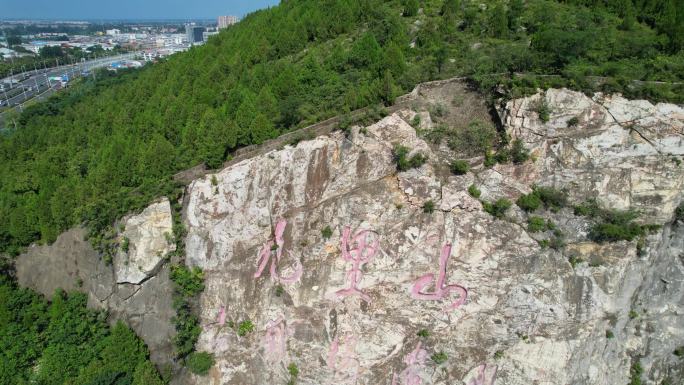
(226, 21)
(113, 32)
(194, 33)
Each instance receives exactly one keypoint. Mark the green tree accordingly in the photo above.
(394, 60)
(13, 40)
(200, 362)
(450, 8)
(243, 119)
(268, 104)
(262, 129)
(410, 8)
(628, 16)
(441, 55)
(388, 88)
(515, 11)
(498, 23)
(366, 52)
(146, 374)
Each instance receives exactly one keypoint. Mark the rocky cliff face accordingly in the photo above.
(347, 306)
(136, 288)
(322, 255)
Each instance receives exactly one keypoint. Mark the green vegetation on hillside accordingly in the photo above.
(62, 342)
(107, 147)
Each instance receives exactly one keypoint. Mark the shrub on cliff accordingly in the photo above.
(498, 208)
(459, 167)
(403, 161)
(189, 282)
(478, 137)
(519, 154)
(550, 198)
(529, 202)
(200, 362)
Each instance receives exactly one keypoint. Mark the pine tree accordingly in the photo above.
(498, 23)
(410, 8)
(388, 88)
(393, 60)
(450, 8)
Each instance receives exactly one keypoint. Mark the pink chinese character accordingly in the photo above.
(441, 288)
(485, 375)
(222, 315)
(275, 340)
(415, 361)
(266, 252)
(344, 363)
(360, 255)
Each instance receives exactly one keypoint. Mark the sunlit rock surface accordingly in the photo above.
(529, 317)
(148, 240)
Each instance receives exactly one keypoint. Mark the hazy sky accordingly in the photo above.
(127, 9)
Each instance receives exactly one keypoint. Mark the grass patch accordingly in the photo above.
(498, 208)
(574, 260)
(536, 224)
(245, 327)
(551, 198)
(679, 352)
(543, 110)
(474, 191)
(474, 139)
(519, 154)
(326, 232)
(679, 212)
(403, 161)
(200, 362)
(439, 358)
(459, 167)
(612, 225)
(635, 373)
(428, 207)
(530, 202)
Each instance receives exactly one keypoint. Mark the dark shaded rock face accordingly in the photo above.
(72, 264)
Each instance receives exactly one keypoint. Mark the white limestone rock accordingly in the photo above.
(547, 318)
(149, 236)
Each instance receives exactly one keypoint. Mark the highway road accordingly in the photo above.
(35, 83)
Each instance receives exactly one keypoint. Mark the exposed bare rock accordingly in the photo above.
(621, 152)
(147, 239)
(530, 317)
(72, 264)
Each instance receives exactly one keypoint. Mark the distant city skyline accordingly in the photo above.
(129, 9)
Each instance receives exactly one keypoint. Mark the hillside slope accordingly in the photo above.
(338, 259)
(104, 149)
(355, 270)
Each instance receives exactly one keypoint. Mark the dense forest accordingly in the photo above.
(109, 146)
(62, 342)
